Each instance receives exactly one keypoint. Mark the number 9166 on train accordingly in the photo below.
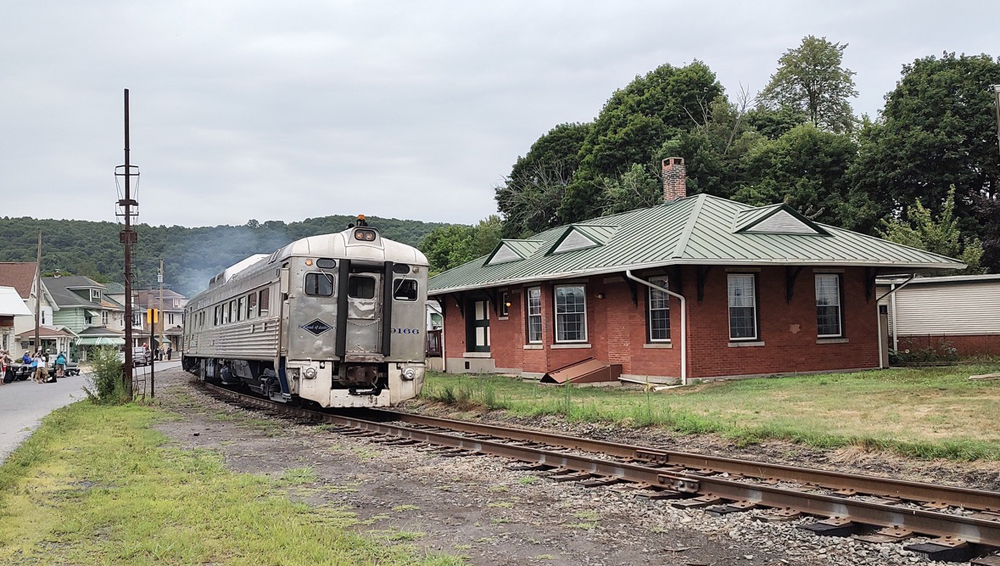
(335, 319)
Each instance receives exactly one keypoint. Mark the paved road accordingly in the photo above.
(23, 404)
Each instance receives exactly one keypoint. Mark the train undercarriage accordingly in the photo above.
(327, 383)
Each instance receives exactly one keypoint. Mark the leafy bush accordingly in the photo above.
(944, 351)
(106, 385)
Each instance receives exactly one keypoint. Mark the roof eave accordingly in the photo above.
(906, 267)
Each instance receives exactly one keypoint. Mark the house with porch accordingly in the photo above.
(11, 306)
(169, 330)
(23, 278)
(84, 310)
(698, 287)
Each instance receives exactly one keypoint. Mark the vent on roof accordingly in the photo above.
(775, 219)
(582, 237)
(512, 250)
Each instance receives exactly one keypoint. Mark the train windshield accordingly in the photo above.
(359, 287)
(404, 290)
(319, 284)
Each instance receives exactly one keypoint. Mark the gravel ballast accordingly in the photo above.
(478, 508)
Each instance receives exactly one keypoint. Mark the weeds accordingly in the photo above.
(106, 385)
(918, 412)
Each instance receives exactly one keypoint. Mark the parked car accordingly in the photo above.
(141, 356)
(72, 368)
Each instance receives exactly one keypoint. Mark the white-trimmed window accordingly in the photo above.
(828, 311)
(534, 319)
(504, 304)
(571, 313)
(742, 307)
(104, 317)
(658, 312)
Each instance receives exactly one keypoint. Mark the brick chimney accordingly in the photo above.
(674, 179)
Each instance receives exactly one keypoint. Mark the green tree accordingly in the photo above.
(941, 236)
(631, 128)
(811, 80)
(530, 196)
(989, 211)
(806, 168)
(639, 187)
(938, 129)
(453, 245)
(714, 150)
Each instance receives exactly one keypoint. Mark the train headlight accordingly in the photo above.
(310, 373)
(409, 374)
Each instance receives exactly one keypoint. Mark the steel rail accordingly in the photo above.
(966, 528)
(861, 484)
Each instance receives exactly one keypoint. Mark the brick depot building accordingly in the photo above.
(698, 287)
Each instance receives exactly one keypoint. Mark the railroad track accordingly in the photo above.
(964, 523)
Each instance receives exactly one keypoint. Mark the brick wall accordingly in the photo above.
(965, 345)
(787, 329)
(617, 329)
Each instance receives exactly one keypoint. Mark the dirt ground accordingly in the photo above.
(477, 507)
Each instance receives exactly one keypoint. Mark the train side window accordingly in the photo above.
(359, 287)
(231, 313)
(404, 289)
(251, 305)
(217, 315)
(264, 301)
(319, 284)
(241, 309)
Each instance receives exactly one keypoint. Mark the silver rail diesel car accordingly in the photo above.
(336, 319)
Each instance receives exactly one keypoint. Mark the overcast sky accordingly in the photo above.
(409, 109)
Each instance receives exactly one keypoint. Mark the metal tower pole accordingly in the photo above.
(128, 239)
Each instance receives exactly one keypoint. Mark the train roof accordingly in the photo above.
(337, 245)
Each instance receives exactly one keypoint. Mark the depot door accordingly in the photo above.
(477, 325)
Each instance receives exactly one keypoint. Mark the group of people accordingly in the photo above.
(38, 364)
(5, 362)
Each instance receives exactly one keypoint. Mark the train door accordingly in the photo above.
(364, 305)
(312, 316)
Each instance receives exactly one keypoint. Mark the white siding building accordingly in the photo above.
(962, 310)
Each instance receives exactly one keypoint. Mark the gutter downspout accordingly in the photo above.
(892, 309)
(444, 352)
(892, 291)
(628, 273)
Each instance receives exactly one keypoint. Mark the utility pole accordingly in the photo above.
(152, 371)
(163, 322)
(38, 292)
(128, 239)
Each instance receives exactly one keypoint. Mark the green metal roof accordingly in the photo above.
(697, 230)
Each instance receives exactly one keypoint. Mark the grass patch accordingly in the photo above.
(96, 485)
(589, 520)
(297, 476)
(931, 412)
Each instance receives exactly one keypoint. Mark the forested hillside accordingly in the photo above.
(191, 255)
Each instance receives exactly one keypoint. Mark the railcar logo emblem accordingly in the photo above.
(317, 327)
